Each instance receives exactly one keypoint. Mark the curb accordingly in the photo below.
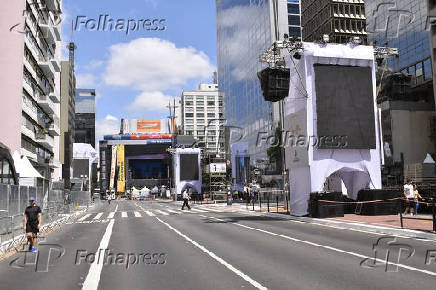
(355, 226)
(402, 233)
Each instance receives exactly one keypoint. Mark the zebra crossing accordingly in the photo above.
(142, 212)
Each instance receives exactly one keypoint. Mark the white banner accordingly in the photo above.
(217, 167)
(113, 163)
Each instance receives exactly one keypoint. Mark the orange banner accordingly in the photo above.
(148, 125)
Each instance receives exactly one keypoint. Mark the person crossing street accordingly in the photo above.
(186, 198)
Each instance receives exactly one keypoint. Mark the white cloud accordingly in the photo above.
(111, 118)
(153, 64)
(150, 101)
(93, 64)
(106, 126)
(86, 80)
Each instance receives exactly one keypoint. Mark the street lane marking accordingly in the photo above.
(161, 212)
(84, 217)
(173, 211)
(123, 214)
(93, 278)
(149, 213)
(98, 216)
(217, 258)
(116, 208)
(335, 249)
(198, 210)
(111, 215)
(137, 214)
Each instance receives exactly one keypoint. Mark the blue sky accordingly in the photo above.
(136, 74)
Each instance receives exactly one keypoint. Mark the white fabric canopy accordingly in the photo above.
(24, 167)
(309, 166)
(83, 150)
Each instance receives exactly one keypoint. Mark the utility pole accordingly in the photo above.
(173, 131)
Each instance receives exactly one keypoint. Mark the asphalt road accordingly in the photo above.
(154, 245)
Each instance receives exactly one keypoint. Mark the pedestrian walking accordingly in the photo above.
(186, 198)
(408, 194)
(417, 197)
(32, 223)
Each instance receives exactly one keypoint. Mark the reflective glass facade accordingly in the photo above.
(402, 24)
(243, 33)
(294, 18)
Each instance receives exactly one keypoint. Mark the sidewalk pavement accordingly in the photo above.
(386, 225)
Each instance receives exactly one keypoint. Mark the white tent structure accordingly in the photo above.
(85, 151)
(310, 166)
(27, 173)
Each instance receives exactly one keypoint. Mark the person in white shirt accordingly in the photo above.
(185, 197)
(410, 196)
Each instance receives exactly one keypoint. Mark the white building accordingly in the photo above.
(202, 116)
(30, 49)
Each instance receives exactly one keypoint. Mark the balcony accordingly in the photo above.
(53, 129)
(46, 66)
(27, 132)
(46, 27)
(55, 64)
(53, 163)
(53, 5)
(45, 140)
(46, 104)
(54, 97)
(30, 155)
(29, 108)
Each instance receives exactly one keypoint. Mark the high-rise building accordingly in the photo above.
(85, 116)
(245, 29)
(402, 24)
(340, 19)
(294, 19)
(68, 88)
(406, 98)
(202, 116)
(29, 77)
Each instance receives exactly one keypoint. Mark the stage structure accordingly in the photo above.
(187, 169)
(331, 122)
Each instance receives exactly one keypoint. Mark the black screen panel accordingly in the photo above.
(189, 167)
(344, 107)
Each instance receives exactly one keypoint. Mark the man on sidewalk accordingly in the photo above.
(185, 197)
(409, 195)
(32, 223)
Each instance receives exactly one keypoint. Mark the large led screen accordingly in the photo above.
(189, 167)
(344, 107)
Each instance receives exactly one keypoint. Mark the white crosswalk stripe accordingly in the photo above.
(84, 217)
(98, 216)
(123, 214)
(173, 211)
(137, 214)
(111, 215)
(198, 210)
(149, 213)
(161, 212)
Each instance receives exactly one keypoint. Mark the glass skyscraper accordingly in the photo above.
(245, 29)
(402, 24)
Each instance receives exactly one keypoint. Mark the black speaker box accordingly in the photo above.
(321, 209)
(379, 208)
(274, 83)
